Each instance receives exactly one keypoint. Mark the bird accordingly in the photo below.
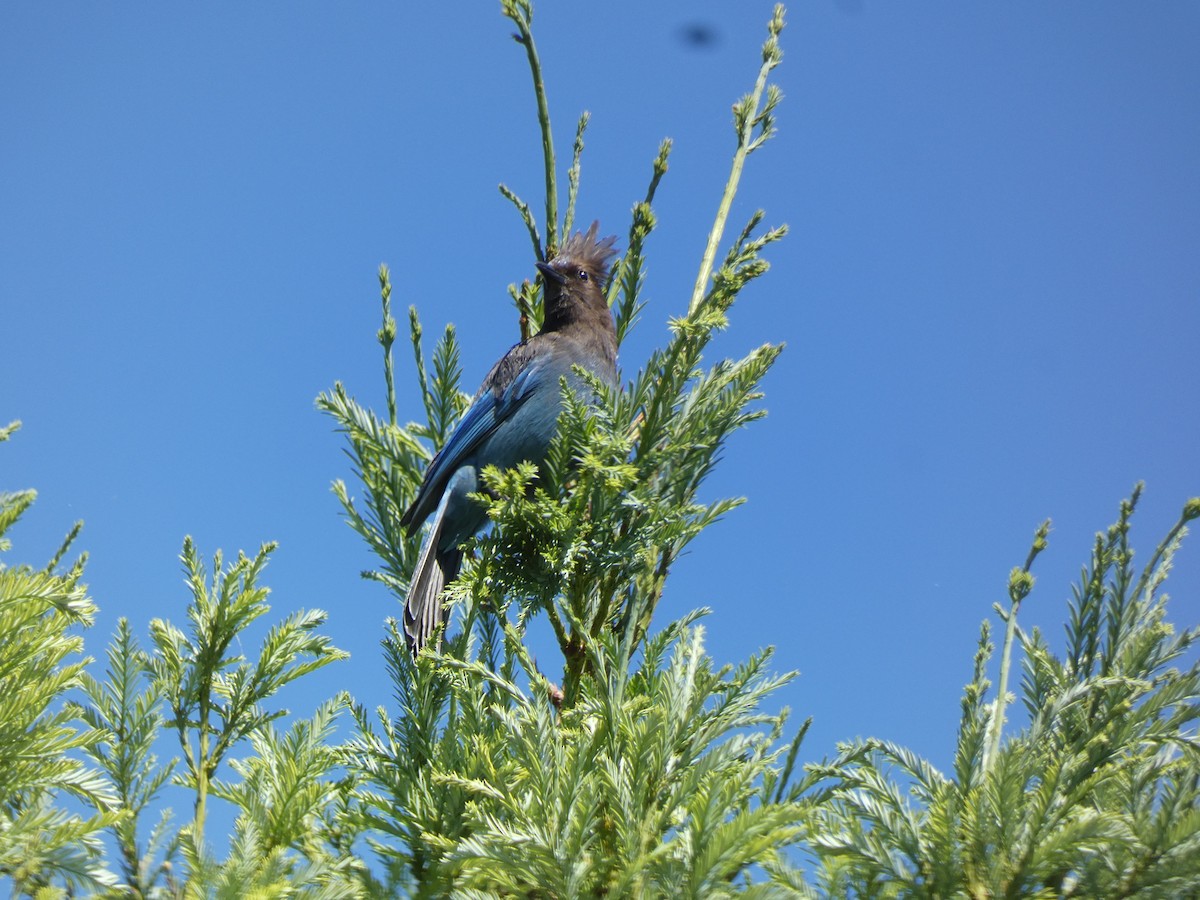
(511, 419)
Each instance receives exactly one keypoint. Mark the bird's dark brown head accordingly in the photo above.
(575, 280)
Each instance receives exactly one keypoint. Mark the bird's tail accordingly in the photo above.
(423, 613)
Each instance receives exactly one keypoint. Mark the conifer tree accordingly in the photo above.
(635, 766)
(43, 845)
(627, 764)
(1096, 796)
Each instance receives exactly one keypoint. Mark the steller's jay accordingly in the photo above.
(512, 418)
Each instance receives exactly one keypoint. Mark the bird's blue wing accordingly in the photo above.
(486, 413)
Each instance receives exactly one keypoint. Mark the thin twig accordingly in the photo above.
(747, 116)
(521, 14)
(1020, 583)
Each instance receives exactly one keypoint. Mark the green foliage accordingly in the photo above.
(41, 843)
(650, 771)
(389, 460)
(649, 785)
(625, 287)
(291, 790)
(662, 780)
(125, 712)
(616, 501)
(292, 799)
(636, 766)
(215, 696)
(1095, 797)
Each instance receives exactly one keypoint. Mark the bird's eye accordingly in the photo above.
(583, 275)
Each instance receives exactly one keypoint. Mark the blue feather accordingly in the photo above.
(511, 419)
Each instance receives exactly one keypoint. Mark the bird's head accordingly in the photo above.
(575, 278)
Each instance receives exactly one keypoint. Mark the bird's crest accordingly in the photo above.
(585, 250)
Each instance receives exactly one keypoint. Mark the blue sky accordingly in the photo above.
(990, 296)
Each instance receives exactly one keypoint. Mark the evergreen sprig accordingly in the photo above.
(1095, 797)
(42, 844)
(654, 777)
(125, 711)
(214, 695)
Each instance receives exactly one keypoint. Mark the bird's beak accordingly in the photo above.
(551, 273)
